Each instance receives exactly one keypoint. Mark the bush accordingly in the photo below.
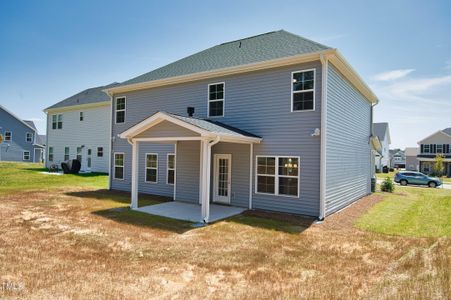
(392, 169)
(387, 185)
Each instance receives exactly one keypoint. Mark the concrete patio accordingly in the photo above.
(190, 212)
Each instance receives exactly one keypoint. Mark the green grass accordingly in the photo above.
(27, 176)
(382, 176)
(411, 211)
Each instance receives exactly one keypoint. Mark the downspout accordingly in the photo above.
(110, 152)
(322, 201)
(207, 208)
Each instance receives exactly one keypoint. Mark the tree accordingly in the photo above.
(438, 165)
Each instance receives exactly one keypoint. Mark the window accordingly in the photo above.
(171, 169)
(426, 149)
(8, 136)
(81, 116)
(66, 153)
(29, 137)
(50, 153)
(120, 110)
(89, 160)
(79, 154)
(99, 151)
(119, 166)
(216, 100)
(303, 90)
(151, 167)
(57, 121)
(439, 148)
(278, 175)
(26, 155)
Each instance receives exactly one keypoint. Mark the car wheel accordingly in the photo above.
(403, 182)
(432, 184)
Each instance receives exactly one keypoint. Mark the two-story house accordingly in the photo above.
(437, 143)
(397, 158)
(78, 127)
(382, 159)
(20, 139)
(274, 122)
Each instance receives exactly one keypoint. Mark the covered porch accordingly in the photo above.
(199, 136)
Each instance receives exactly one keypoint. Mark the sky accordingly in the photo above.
(50, 50)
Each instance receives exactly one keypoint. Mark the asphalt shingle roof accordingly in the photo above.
(91, 95)
(380, 129)
(263, 47)
(31, 124)
(447, 130)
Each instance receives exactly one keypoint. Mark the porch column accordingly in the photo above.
(206, 155)
(135, 159)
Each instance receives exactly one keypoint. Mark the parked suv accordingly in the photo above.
(408, 177)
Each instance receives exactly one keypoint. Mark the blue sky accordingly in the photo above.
(50, 50)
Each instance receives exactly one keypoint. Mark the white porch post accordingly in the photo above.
(206, 156)
(251, 168)
(135, 159)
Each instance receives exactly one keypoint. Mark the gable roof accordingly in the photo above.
(88, 96)
(29, 124)
(262, 47)
(447, 131)
(381, 129)
(411, 151)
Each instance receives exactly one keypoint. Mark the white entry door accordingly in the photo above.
(222, 178)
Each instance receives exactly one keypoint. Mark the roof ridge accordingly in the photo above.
(304, 38)
(250, 37)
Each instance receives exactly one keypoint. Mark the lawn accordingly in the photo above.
(66, 238)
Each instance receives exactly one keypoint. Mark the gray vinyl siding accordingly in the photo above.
(411, 163)
(187, 171)
(13, 151)
(348, 162)
(240, 171)
(257, 102)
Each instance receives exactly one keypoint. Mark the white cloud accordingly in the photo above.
(412, 88)
(392, 75)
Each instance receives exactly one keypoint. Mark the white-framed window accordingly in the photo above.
(26, 155)
(216, 99)
(8, 136)
(170, 176)
(151, 167)
(120, 107)
(426, 148)
(99, 151)
(303, 90)
(57, 121)
(439, 148)
(277, 175)
(50, 153)
(119, 165)
(79, 155)
(82, 116)
(66, 153)
(29, 137)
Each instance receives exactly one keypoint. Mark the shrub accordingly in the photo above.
(387, 185)
(392, 169)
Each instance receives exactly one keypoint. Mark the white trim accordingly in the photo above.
(116, 110)
(150, 168)
(169, 139)
(76, 107)
(123, 166)
(23, 155)
(217, 100)
(110, 141)
(303, 91)
(168, 169)
(175, 171)
(251, 161)
(201, 167)
(276, 175)
(216, 197)
(323, 152)
(57, 121)
(10, 136)
(26, 137)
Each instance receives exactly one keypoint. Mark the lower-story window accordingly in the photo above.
(277, 175)
(66, 153)
(151, 167)
(51, 154)
(171, 169)
(118, 165)
(26, 155)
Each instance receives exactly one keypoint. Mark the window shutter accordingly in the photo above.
(444, 148)
(432, 148)
(422, 148)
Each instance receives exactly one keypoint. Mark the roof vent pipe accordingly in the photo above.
(190, 111)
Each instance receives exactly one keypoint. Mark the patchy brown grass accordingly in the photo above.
(84, 244)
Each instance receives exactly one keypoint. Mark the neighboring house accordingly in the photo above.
(437, 143)
(411, 158)
(397, 158)
(20, 139)
(274, 122)
(78, 128)
(381, 130)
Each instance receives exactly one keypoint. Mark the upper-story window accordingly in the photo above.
(303, 90)
(216, 99)
(120, 109)
(426, 148)
(439, 148)
(8, 136)
(29, 137)
(99, 151)
(57, 121)
(82, 116)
